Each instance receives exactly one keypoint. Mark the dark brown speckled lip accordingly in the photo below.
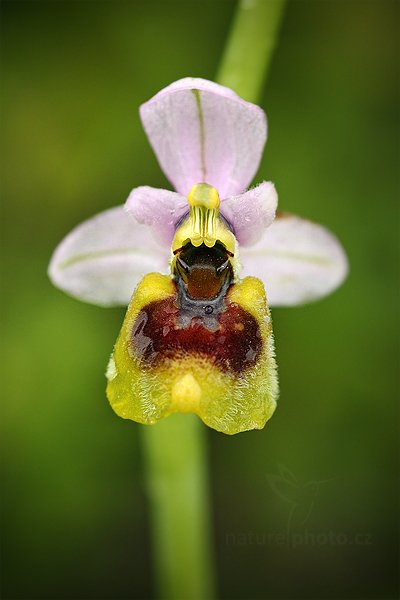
(234, 343)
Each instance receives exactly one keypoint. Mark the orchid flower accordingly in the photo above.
(192, 265)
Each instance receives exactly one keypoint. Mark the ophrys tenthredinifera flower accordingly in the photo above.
(197, 336)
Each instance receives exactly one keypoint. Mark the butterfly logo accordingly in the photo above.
(300, 496)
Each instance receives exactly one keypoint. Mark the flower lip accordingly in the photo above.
(226, 374)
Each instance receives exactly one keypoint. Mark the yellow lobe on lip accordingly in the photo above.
(186, 394)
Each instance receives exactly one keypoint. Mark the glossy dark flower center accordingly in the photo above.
(198, 319)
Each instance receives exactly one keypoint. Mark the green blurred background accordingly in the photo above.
(305, 508)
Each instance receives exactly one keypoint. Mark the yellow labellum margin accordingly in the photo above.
(189, 381)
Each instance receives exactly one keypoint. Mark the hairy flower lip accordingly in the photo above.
(232, 387)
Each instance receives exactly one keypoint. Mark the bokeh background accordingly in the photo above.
(305, 508)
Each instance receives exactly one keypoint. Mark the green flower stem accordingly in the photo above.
(178, 486)
(249, 50)
(175, 448)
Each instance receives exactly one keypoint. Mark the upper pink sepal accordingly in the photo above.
(203, 132)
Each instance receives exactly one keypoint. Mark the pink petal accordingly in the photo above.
(102, 259)
(159, 209)
(203, 132)
(298, 261)
(250, 213)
